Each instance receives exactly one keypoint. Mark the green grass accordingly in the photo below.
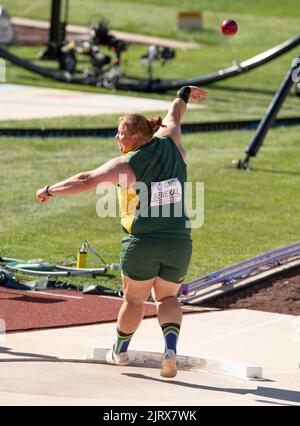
(148, 15)
(246, 213)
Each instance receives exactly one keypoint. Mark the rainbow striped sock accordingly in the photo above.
(123, 341)
(171, 333)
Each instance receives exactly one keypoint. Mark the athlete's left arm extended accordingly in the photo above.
(115, 171)
(176, 111)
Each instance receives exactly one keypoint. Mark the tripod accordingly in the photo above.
(291, 77)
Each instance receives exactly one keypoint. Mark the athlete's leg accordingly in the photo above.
(132, 310)
(169, 315)
(165, 295)
(129, 317)
(139, 271)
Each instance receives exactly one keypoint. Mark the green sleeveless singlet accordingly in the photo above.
(155, 204)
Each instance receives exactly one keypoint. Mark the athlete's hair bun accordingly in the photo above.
(155, 123)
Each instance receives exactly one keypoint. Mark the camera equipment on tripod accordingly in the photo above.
(98, 58)
(68, 62)
(67, 57)
(167, 54)
(156, 53)
(100, 36)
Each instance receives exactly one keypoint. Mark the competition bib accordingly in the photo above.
(165, 192)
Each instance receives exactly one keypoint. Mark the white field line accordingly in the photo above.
(121, 298)
(234, 333)
(53, 294)
(185, 308)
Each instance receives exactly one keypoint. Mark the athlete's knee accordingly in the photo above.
(165, 299)
(134, 299)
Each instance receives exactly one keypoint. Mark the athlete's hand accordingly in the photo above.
(41, 196)
(197, 93)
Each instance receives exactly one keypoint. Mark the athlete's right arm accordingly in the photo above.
(175, 114)
(115, 171)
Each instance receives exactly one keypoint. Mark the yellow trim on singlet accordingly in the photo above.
(128, 201)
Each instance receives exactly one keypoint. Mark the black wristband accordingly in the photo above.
(184, 93)
(46, 190)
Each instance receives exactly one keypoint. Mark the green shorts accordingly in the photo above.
(164, 255)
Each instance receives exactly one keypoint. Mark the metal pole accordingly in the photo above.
(52, 48)
(55, 19)
(267, 121)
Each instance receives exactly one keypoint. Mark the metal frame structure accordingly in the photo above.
(228, 278)
(50, 276)
(55, 270)
(267, 121)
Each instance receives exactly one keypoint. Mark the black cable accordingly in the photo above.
(109, 132)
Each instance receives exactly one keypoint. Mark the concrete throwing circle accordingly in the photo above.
(54, 382)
